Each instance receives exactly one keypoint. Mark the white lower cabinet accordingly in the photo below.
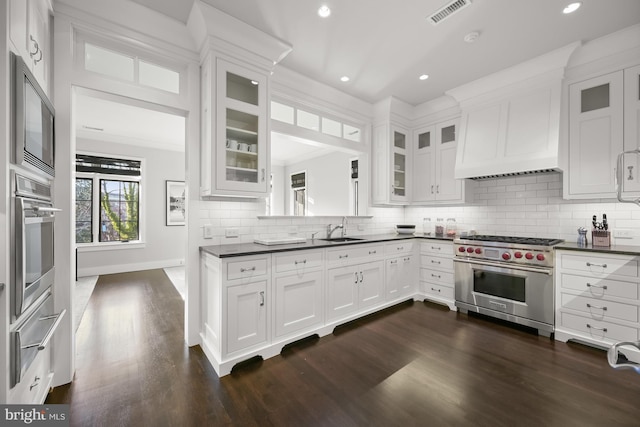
(298, 292)
(597, 298)
(254, 305)
(36, 381)
(354, 288)
(436, 272)
(246, 315)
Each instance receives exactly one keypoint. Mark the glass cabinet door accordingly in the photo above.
(399, 184)
(242, 129)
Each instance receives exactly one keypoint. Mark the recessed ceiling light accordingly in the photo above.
(324, 11)
(571, 7)
(472, 37)
(424, 77)
(344, 79)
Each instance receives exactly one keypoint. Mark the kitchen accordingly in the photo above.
(494, 205)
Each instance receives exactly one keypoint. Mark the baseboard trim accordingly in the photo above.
(126, 268)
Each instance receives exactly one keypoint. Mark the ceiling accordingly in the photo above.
(383, 46)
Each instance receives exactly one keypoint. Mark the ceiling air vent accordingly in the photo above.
(448, 10)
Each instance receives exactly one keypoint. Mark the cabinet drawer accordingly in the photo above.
(246, 268)
(438, 277)
(600, 288)
(598, 330)
(354, 253)
(299, 260)
(441, 291)
(34, 386)
(598, 266)
(436, 263)
(599, 309)
(399, 247)
(437, 247)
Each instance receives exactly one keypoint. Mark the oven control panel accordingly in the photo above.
(527, 256)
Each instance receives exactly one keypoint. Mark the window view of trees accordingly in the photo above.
(84, 210)
(119, 208)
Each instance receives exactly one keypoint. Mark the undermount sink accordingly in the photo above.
(341, 239)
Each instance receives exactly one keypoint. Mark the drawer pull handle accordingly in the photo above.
(356, 273)
(434, 289)
(435, 275)
(261, 298)
(373, 252)
(589, 285)
(45, 341)
(596, 265)
(596, 306)
(361, 277)
(596, 328)
(36, 382)
(304, 261)
(435, 247)
(343, 256)
(436, 262)
(407, 259)
(400, 248)
(244, 270)
(395, 261)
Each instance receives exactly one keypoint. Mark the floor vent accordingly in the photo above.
(448, 10)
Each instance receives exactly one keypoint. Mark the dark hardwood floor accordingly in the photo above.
(413, 364)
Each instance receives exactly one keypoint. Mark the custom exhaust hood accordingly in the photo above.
(510, 122)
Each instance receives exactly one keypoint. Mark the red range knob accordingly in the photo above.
(470, 250)
(461, 249)
(529, 255)
(540, 257)
(518, 254)
(506, 256)
(478, 251)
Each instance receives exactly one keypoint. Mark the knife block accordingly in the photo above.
(600, 238)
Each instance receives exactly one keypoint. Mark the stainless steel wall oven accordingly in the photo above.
(32, 242)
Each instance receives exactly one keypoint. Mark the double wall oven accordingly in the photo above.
(32, 271)
(510, 278)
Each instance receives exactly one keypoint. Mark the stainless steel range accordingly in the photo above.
(510, 278)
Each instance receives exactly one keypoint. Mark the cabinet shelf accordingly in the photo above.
(244, 153)
(242, 131)
(237, 169)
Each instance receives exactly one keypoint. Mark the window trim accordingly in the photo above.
(95, 245)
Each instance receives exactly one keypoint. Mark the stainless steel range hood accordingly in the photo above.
(510, 121)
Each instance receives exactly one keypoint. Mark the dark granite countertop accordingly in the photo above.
(242, 249)
(613, 249)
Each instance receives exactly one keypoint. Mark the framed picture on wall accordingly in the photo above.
(175, 203)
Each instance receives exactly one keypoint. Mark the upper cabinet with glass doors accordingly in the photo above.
(391, 165)
(235, 154)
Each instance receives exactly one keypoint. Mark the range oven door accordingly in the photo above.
(33, 260)
(513, 290)
(32, 336)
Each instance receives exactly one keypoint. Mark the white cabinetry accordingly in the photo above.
(434, 159)
(436, 272)
(356, 283)
(30, 34)
(36, 381)
(246, 317)
(391, 165)
(400, 270)
(235, 129)
(298, 292)
(597, 297)
(595, 135)
(631, 171)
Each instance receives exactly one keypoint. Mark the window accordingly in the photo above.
(299, 193)
(107, 200)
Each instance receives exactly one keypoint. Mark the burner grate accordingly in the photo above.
(516, 240)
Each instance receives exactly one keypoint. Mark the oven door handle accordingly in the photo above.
(45, 209)
(546, 271)
(45, 341)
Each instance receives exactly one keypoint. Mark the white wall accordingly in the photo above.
(327, 183)
(163, 246)
(278, 198)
